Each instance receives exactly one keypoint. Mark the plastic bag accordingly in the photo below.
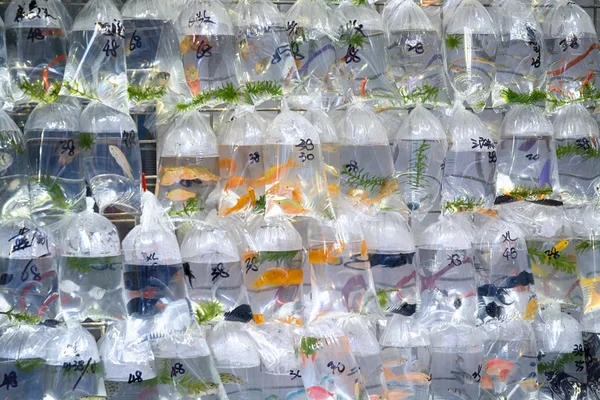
(588, 263)
(215, 268)
(521, 59)
(207, 45)
(419, 153)
(570, 37)
(188, 167)
(406, 354)
(329, 368)
(54, 146)
(263, 46)
(392, 258)
(577, 150)
(591, 347)
(527, 158)
(361, 65)
(128, 368)
(90, 267)
(367, 175)
(311, 30)
(414, 48)
(23, 367)
(72, 364)
(341, 277)
(241, 161)
(272, 271)
(5, 83)
(154, 276)
(294, 175)
(237, 360)
(112, 160)
(14, 170)
(470, 44)
(185, 367)
(36, 45)
(445, 273)
(470, 166)
(28, 274)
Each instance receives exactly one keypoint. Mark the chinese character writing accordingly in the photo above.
(115, 28)
(482, 142)
(200, 18)
(20, 240)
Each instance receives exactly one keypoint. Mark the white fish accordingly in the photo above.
(6, 160)
(97, 293)
(69, 286)
(121, 160)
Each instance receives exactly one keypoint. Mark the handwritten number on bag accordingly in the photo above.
(533, 157)
(35, 34)
(135, 42)
(137, 378)
(177, 369)
(418, 48)
(30, 268)
(110, 48)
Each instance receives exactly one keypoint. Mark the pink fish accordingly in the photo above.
(319, 393)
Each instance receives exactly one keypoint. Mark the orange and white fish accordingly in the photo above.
(180, 195)
(495, 366)
(275, 173)
(279, 277)
(486, 382)
(323, 255)
(289, 191)
(529, 385)
(592, 300)
(258, 318)
(333, 189)
(121, 160)
(247, 199)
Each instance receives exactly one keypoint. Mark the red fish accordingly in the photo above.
(319, 393)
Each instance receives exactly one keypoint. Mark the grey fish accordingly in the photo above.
(461, 394)
(463, 377)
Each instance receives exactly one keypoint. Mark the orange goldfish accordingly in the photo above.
(234, 181)
(415, 378)
(227, 164)
(292, 191)
(529, 385)
(204, 174)
(187, 174)
(258, 318)
(364, 251)
(279, 277)
(333, 189)
(275, 173)
(291, 207)
(291, 320)
(496, 366)
(322, 256)
(486, 382)
(503, 375)
(531, 309)
(592, 300)
(180, 195)
(242, 202)
(396, 395)
(170, 176)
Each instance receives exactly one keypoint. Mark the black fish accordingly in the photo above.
(391, 260)
(5, 279)
(494, 310)
(490, 290)
(187, 271)
(503, 199)
(524, 278)
(241, 313)
(405, 309)
(547, 202)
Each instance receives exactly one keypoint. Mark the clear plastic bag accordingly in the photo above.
(90, 267)
(470, 44)
(329, 368)
(153, 272)
(241, 161)
(188, 166)
(215, 268)
(28, 269)
(112, 160)
(272, 271)
(445, 272)
(294, 175)
(577, 150)
(263, 46)
(23, 354)
(527, 158)
(406, 354)
(470, 166)
(72, 364)
(311, 30)
(361, 65)
(419, 153)
(207, 45)
(367, 175)
(37, 42)
(14, 170)
(128, 368)
(237, 360)
(572, 45)
(5, 83)
(591, 347)
(392, 258)
(414, 48)
(521, 60)
(185, 367)
(54, 147)
(96, 67)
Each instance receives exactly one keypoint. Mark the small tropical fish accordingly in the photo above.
(406, 309)
(187, 271)
(592, 300)
(227, 164)
(356, 282)
(46, 73)
(545, 175)
(463, 377)
(415, 378)
(204, 174)
(258, 318)
(531, 309)
(275, 173)
(330, 169)
(242, 313)
(120, 158)
(495, 366)
(230, 378)
(319, 393)
(486, 382)
(291, 320)
(171, 176)
(460, 361)
(245, 200)
(180, 195)
(262, 65)
(279, 277)
(333, 189)
(325, 255)
(6, 160)
(291, 207)
(234, 181)
(394, 362)
(390, 260)
(529, 385)
(494, 310)
(397, 394)
(504, 374)
(461, 394)
(294, 394)
(364, 251)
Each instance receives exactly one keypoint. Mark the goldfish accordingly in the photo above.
(503, 375)
(247, 199)
(364, 251)
(227, 164)
(291, 320)
(592, 300)
(486, 382)
(333, 189)
(290, 191)
(394, 362)
(46, 73)
(170, 176)
(120, 158)
(279, 277)
(319, 393)
(234, 181)
(180, 195)
(262, 65)
(275, 173)
(415, 378)
(397, 394)
(291, 207)
(529, 385)
(531, 309)
(323, 256)
(331, 170)
(259, 318)
(495, 366)
(204, 174)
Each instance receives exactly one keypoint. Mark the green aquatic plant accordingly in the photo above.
(512, 97)
(309, 346)
(37, 92)
(232, 95)
(28, 365)
(382, 296)
(54, 191)
(76, 89)
(190, 207)
(276, 256)
(453, 42)
(587, 245)
(206, 311)
(22, 317)
(571, 149)
(260, 205)
(417, 167)
(86, 140)
(588, 92)
(419, 94)
(557, 262)
(560, 363)
(193, 386)
(459, 204)
(7, 140)
(255, 90)
(530, 193)
(85, 264)
(362, 179)
(141, 93)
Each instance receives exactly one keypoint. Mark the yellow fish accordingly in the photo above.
(531, 309)
(560, 246)
(258, 318)
(180, 195)
(416, 378)
(262, 65)
(592, 300)
(120, 158)
(279, 277)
